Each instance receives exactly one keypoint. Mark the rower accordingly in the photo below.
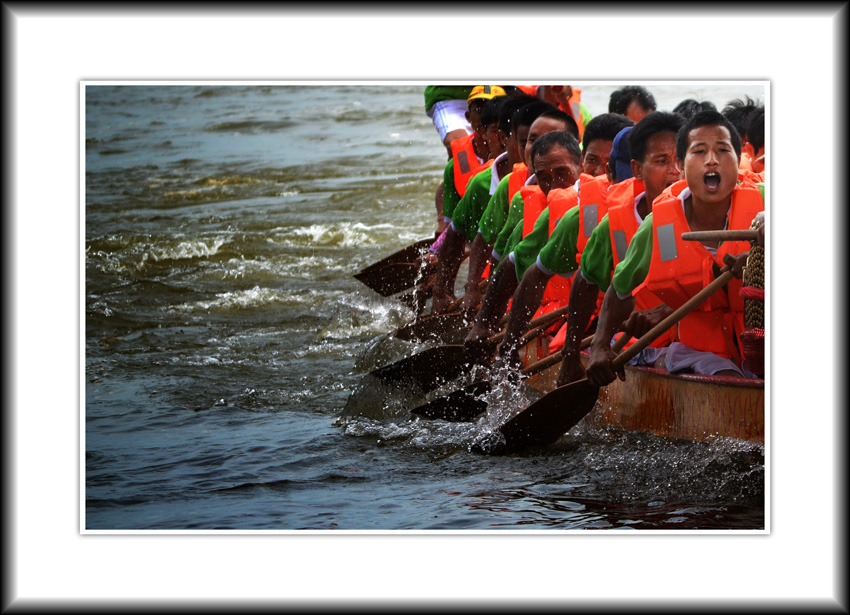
(710, 197)
(533, 228)
(738, 111)
(495, 214)
(556, 159)
(648, 154)
(464, 221)
(452, 256)
(633, 101)
(447, 107)
(755, 143)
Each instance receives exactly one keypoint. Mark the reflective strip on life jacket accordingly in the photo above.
(592, 198)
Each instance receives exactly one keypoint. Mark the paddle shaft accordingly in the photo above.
(658, 330)
(732, 235)
(482, 287)
(552, 359)
(538, 325)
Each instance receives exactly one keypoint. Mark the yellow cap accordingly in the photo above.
(486, 91)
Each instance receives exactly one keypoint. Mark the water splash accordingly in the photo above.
(506, 397)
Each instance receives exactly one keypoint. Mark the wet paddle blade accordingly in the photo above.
(441, 326)
(405, 255)
(549, 418)
(460, 406)
(415, 299)
(393, 278)
(428, 369)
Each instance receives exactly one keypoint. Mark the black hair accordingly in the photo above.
(690, 107)
(490, 112)
(556, 138)
(738, 111)
(652, 124)
(509, 107)
(605, 127)
(706, 118)
(755, 129)
(566, 118)
(621, 99)
(512, 90)
(525, 115)
(476, 102)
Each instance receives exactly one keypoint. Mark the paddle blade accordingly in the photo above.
(416, 298)
(405, 255)
(393, 278)
(428, 369)
(441, 326)
(549, 418)
(460, 406)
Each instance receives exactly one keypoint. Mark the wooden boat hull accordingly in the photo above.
(688, 406)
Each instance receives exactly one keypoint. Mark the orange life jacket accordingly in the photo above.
(560, 201)
(590, 195)
(622, 225)
(746, 162)
(622, 222)
(466, 163)
(593, 200)
(573, 107)
(534, 202)
(517, 180)
(679, 269)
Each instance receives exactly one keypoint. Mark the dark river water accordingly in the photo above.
(224, 334)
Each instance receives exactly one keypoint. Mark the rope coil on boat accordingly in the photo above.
(752, 292)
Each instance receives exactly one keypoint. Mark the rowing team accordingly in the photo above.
(597, 225)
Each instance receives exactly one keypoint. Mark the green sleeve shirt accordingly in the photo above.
(559, 253)
(496, 212)
(597, 259)
(515, 214)
(633, 269)
(527, 248)
(471, 207)
(439, 93)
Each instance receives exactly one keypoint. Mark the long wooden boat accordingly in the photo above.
(689, 406)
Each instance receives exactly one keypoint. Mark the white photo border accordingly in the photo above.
(51, 49)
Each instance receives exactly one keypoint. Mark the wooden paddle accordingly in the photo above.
(431, 368)
(405, 255)
(464, 404)
(395, 277)
(729, 235)
(398, 271)
(440, 326)
(553, 415)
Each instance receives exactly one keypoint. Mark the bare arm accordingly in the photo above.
(526, 300)
(451, 256)
(496, 299)
(583, 296)
(614, 312)
(478, 258)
